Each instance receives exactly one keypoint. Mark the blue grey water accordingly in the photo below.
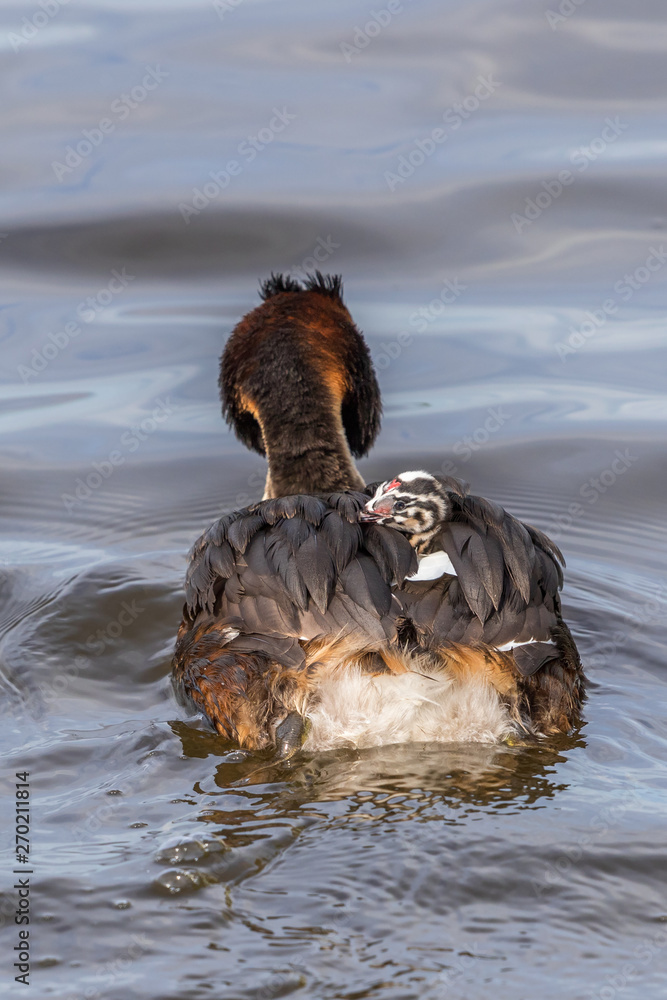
(489, 178)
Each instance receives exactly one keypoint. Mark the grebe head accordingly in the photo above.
(297, 385)
(415, 503)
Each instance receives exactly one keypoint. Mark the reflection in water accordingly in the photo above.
(460, 774)
(257, 810)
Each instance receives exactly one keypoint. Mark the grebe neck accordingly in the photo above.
(307, 452)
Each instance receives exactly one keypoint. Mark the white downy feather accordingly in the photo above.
(355, 709)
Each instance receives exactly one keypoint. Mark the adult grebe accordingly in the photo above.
(298, 386)
(324, 615)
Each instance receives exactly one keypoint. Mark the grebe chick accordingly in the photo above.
(507, 573)
(415, 503)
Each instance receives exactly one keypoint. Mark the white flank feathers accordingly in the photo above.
(355, 709)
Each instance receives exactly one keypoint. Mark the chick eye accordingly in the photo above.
(400, 505)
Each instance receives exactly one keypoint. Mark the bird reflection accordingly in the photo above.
(425, 774)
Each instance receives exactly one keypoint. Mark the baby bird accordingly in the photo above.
(498, 582)
(416, 503)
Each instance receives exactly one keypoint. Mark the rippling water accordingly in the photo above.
(508, 272)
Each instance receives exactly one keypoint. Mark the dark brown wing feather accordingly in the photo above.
(506, 587)
(283, 559)
(297, 568)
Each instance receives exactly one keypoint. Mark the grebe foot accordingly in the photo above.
(291, 734)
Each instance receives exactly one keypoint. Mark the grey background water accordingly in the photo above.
(167, 864)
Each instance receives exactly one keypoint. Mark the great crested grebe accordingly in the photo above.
(297, 385)
(329, 614)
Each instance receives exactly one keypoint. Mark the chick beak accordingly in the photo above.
(378, 511)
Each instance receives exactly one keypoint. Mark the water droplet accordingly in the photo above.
(179, 850)
(176, 880)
